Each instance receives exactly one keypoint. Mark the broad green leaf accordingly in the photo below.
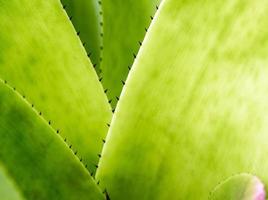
(86, 18)
(43, 58)
(124, 24)
(35, 156)
(8, 189)
(194, 108)
(239, 187)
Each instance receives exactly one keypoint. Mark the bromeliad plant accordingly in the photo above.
(191, 121)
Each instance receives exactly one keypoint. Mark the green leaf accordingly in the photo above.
(41, 56)
(36, 158)
(8, 189)
(239, 187)
(124, 24)
(86, 18)
(194, 108)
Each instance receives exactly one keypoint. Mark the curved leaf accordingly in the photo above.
(194, 108)
(240, 187)
(86, 18)
(8, 189)
(43, 58)
(36, 158)
(124, 24)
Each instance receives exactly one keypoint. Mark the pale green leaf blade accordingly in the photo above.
(8, 189)
(86, 18)
(239, 187)
(124, 24)
(35, 156)
(43, 58)
(194, 108)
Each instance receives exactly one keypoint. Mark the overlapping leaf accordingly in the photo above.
(194, 108)
(239, 187)
(86, 18)
(8, 189)
(38, 161)
(43, 58)
(124, 24)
